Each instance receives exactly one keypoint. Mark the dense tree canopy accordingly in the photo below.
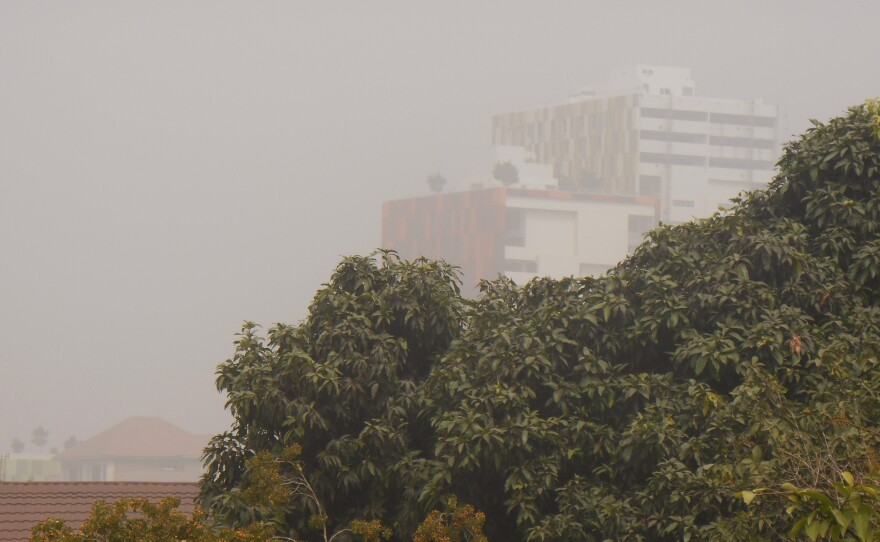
(347, 386)
(727, 354)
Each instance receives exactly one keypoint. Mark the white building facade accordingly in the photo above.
(560, 234)
(646, 133)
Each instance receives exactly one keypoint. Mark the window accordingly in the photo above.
(736, 163)
(746, 142)
(742, 120)
(520, 266)
(654, 113)
(682, 203)
(672, 159)
(515, 228)
(687, 91)
(677, 114)
(664, 135)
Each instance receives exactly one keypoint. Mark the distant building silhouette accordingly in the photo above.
(30, 467)
(137, 449)
(593, 175)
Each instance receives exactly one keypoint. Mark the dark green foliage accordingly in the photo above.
(436, 182)
(724, 355)
(506, 173)
(344, 385)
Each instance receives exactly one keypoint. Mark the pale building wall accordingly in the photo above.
(133, 470)
(573, 237)
(31, 468)
(150, 471)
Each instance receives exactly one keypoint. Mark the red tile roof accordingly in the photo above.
(24, 504)
(139, 437)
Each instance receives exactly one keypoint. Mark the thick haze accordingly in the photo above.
(169, 169)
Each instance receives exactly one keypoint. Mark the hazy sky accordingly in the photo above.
(169, 169)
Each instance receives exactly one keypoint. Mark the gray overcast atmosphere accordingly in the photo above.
(169, 169)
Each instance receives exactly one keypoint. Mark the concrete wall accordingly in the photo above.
(574, 236)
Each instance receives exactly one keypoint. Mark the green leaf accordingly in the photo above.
(862, 522)
(797, 527)
(841, 518)
(813, 528)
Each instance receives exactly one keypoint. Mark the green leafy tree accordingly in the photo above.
(275, 481)
(436, 182)
(39, 437)
(633, 405)
(506, 173)
(142, 520)
(345, 386)
(848, 510)
(727, 354)
(71, 442)
(456, 524)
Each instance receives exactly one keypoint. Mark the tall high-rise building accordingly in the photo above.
(647, 133)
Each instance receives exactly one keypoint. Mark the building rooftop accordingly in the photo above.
(139, 437)
(25, 504)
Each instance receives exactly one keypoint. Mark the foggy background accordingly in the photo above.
(169, 169)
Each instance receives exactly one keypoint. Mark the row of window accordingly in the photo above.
(672, 159)
(745, 142)
(685, 91)
(718, 141)
(665, 135)
(689, 160)
(713, 118)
